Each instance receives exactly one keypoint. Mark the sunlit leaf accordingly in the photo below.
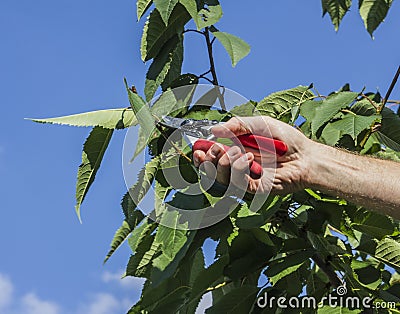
(109, 119)
(336, 9)
(373, 12)
(92, 155)
(234, 46)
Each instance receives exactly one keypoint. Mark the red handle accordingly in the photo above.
(262, 143)
(204, 145)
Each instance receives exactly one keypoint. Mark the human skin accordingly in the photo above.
(365, 181)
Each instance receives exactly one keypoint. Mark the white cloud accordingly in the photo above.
(6, 289)
(103, 303)
(129, 282)
(31, 304)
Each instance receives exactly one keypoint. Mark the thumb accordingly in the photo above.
(234, 127)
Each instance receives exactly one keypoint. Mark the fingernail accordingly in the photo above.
(247, 157)
(195, 160)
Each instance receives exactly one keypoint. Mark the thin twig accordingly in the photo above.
(210, 56)
(207, 79)
(393, 102)
(194, 31)
(392, 85)
(370, 101)
(205, 73)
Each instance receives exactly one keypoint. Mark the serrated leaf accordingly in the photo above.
(279, 104)
(119, 237)
(141, 110)
(283, 267)
(165, 8)
(109, 119)
(140, 233)
(139, 264)
(141, 7)
(139, 189)
(234, 46)
(175, 68)
(209, 15)
(244, 110)
(390, 125)
(388, 251)
(171, 238)
(336, 9)
(239, 300)
(156, 33)
(373, 12)
(160, 67)
(92, 155)
(350, 124)
(191, 7)
(330, 107)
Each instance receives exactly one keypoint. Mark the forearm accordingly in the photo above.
(365, 181)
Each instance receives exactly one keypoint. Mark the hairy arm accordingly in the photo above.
(365, 181)
(369, 182)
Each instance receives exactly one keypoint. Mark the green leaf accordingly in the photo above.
(139, 264)
(141, 7)
(109, 119)
(330, 107)
(191, 7)
(373, 224)
(244, 110)
(171, 239)
(120, 235)
(140, 233)
(175, 68)
(234, 46)
(209, 15)
(390, 125)
(336, 9)
(279, 104)
(165, 8)
(350, 124)
(156, 33)
(283, 267)
(160, 67)
(388, 251)
(141, 110)
(373, 12)
(139, 189)
(208, 277)
(239, 300)
(92, 155)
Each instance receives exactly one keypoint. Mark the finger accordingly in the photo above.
(225, 163)
(211, 158)
(240, 171)
(232, 128)
(198, 157)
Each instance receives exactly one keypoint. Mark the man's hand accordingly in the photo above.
(365, 181)
(282, 174)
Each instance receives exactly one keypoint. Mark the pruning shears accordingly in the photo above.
(198, 134)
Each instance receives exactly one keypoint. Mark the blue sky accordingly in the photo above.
(63, 57)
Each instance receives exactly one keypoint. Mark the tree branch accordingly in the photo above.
(328, 270)
(210, 56)
(394, 81)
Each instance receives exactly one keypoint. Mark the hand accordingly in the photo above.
(281, 175)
